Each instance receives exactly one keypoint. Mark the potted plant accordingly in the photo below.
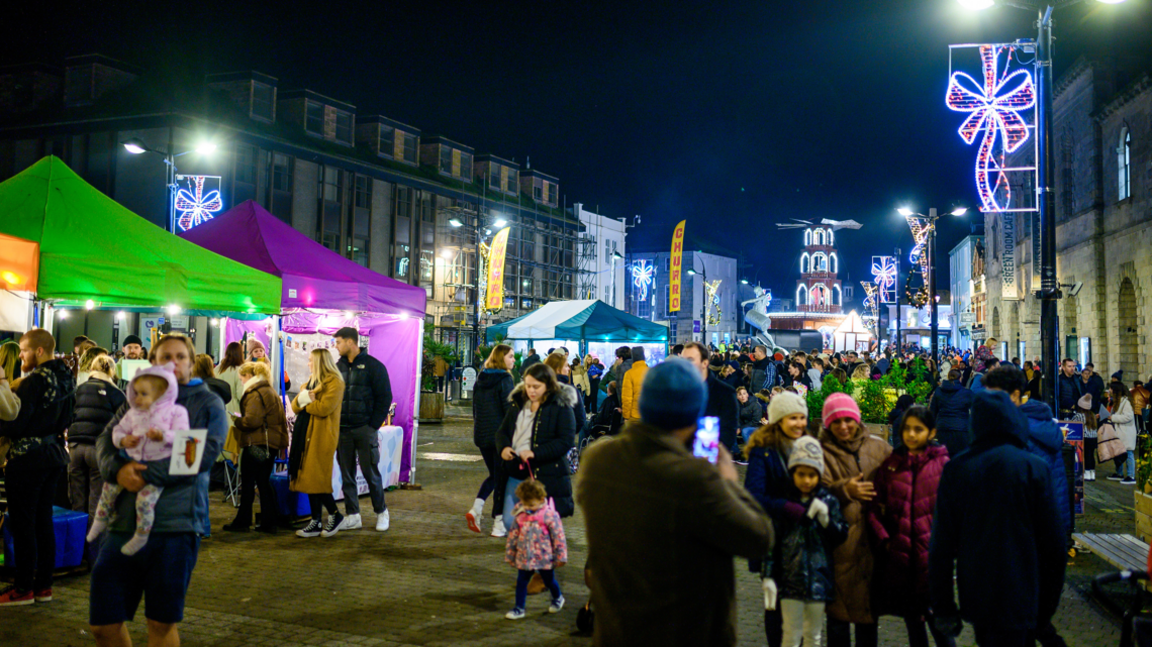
(816, 397)
(432, 401)
(1143, 493)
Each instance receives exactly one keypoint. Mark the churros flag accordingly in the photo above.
(495, 298)
(674, 269)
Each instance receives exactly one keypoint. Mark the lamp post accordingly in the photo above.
(933, 301)
(497, 223)
(615, 256)
(136, 146)
(703, 299)
(1046, 202)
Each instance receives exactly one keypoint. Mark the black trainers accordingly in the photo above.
(333, 525)
(311, 530)
(1115, 477)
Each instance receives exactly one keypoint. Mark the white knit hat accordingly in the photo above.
(807, 451)
(784, 404)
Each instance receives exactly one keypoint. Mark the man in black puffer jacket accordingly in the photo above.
(367, 398)
(97, 401)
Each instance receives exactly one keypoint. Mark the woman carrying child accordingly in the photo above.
(900, 518)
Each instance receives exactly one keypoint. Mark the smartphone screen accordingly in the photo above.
(707, 443)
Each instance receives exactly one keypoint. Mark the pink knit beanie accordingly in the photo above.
(839, 405)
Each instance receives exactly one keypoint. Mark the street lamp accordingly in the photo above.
(933, 299)
(703, 299)
(1049, 288)
(136, 146)
(615, 255)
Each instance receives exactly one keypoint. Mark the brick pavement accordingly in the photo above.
(428, 581)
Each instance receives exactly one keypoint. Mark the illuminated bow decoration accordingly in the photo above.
(196, 208)
(643, 275)
(994, 108)
(711, 298)
(920, 229)
(884, 275)
(870, 301)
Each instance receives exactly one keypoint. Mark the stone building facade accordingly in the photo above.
(1103, 184)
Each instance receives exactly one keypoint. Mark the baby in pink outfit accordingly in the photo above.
(145, 433)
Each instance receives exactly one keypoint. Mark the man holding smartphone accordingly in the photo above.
(646, 484)
(722, 402)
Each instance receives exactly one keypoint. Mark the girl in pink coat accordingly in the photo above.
(535, 545)
(145, 433)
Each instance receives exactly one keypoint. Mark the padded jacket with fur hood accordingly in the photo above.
(553, 434)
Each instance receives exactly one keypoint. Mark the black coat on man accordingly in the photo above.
(723, 404)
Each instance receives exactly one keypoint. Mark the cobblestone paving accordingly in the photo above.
(429, 581)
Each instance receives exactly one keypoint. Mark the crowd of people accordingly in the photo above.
(105, 424)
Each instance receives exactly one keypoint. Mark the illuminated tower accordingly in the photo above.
(818, 289)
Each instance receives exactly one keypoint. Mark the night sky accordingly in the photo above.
(732, 115)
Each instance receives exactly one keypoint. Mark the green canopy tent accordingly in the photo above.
(86, 246)
(594, 324)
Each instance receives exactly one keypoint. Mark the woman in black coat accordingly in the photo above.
(951, 404)
(536, 435)
(97, 401)
(489, 406)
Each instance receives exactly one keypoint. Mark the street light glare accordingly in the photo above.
(692, 272)
(1110, 1)
(135, 146)
(206, 148)
(976, 5)
(500, 223)
(904, 211)
(959, 211)
(743, 281)
(455, 222)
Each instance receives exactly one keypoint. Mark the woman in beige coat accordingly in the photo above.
(313, 448)
(851, 458)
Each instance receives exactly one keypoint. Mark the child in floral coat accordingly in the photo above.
(535, 545)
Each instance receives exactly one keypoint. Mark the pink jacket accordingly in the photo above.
(164, 415)
(536, 541)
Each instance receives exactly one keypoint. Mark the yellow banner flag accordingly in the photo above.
(674, 267)
(495, 297)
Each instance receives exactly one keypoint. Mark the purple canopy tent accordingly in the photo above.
(323, 292)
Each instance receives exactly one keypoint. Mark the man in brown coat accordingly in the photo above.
(663, 525)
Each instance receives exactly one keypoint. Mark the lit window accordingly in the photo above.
(1124, 164)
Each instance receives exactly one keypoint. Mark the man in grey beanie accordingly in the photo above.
(662, 521)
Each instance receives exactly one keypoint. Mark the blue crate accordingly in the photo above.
(70, 527)
(291, 504)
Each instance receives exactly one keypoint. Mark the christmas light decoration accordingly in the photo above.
(884, 276)
(712, 299)
(643, 275)
(994, 107)
(871, 303)
(193, 206)
(920, 227)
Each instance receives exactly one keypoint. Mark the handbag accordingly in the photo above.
(1108, 443)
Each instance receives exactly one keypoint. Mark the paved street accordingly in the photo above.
(429, 581)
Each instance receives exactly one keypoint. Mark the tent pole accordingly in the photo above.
(277, 356)
(416, 407)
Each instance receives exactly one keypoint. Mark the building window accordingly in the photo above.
(359, 228)
(494, 176)
(538, 192)
(363, 192)
(281, 202)
(551, 192)
(513, 185)
(246, 164)
(1124, 164)
(331, 208)
(409, 148)
(344, 127)
(314, 118)
(465, 166)
(388, 141)
(262, 101)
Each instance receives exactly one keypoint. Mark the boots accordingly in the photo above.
(498, 529)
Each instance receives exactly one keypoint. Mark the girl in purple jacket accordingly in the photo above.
(900, 519)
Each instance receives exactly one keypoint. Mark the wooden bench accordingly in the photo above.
(1125, 552)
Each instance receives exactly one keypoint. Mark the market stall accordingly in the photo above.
(64, 244)
(583, 327)
(323, 292)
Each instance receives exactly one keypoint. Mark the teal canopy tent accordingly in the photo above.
(583, 321)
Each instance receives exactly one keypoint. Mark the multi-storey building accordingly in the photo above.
(818, 290)
(371, 188)
(960, 271)
(649, 298)
(602, 267)
(1103, 187)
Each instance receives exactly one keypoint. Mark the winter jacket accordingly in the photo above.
(489, 405)
(322, 436)
(764, 375)
(578, 411)
(1045, 440)
(183, 506)
(619, 372)
(163, 415)
(630, 393)
(231, 375)
(536, 540)
(804, 551)
(9, 403)
(997, 520)
(97, 400)
(608, 414)
(662, 528)
(1095, 388)
(367, 392)
(221, 388)
(900, 518)
(815, 378)
(262, 419)
(1071, 389)
(843, 460)
(553, 434)
(750, 413)
(983, 354)
(1125, 422)
(46, 404)
(723, 404)
(950, 404)
(580, 379)
(534, 358)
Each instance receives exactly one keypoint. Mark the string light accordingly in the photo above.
(643, 275)
(194, 207)
(994, 107)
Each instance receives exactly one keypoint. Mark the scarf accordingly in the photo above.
(248, 385)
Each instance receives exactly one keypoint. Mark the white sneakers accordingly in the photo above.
(498, 528)
(351, 522)
(383, 520)
(473, 516)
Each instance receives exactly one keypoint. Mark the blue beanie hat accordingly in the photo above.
(673, 395)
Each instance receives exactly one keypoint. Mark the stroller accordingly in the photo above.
(1135, 629)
